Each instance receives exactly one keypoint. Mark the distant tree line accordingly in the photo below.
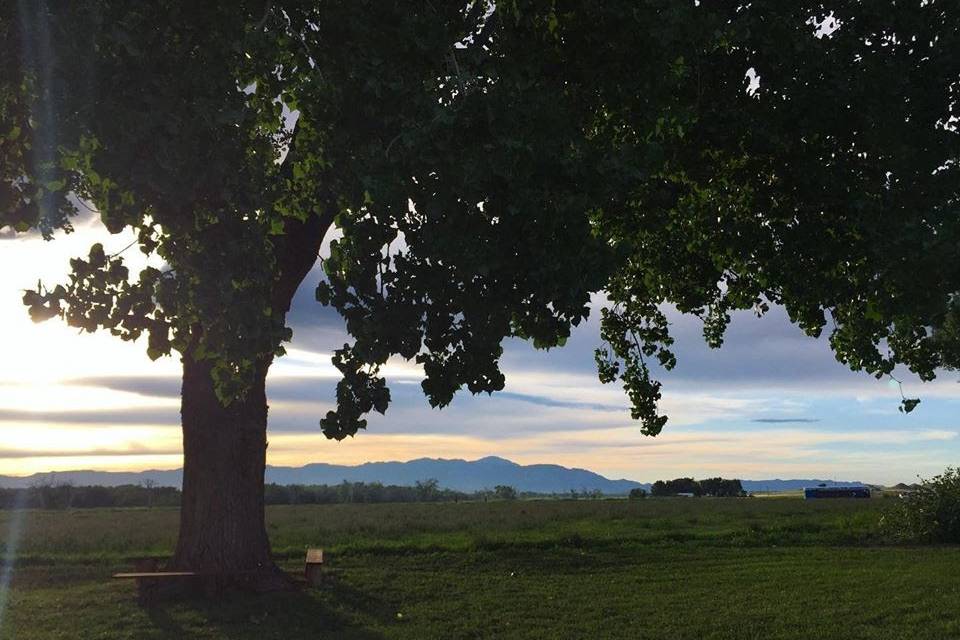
(582, 494)
(371, 492)
(715, 487)
(67, 496)
(148, 494)
(361, 492)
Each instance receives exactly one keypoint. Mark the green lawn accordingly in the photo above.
(771, 568)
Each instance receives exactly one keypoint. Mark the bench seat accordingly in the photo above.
(157, 574)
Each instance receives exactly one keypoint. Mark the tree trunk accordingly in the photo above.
(222, 530)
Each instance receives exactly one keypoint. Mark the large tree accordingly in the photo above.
(488, 168)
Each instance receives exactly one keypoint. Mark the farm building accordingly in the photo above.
(836, 492)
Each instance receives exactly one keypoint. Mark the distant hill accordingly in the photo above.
(461, 475)
(171, 478)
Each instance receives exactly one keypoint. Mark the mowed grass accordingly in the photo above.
(664, 568)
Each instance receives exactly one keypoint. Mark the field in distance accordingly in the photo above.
(654, 569)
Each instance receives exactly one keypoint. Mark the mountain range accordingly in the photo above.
(460, 475)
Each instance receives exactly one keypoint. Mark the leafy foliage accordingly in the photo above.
(715, 487)
(722, 488)
(489, 168)
(928, 513)
(662, 488)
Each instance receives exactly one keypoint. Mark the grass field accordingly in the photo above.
(656, 568)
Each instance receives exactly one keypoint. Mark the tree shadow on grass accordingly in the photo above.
(307, 613)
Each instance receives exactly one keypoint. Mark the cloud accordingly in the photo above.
(16, 454)
(545, 401)
(10, 418)
(156, 386)
(615, 451)
(784, 420)
(533, 402)
(704, 452)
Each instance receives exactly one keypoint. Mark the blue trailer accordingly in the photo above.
(836, 492)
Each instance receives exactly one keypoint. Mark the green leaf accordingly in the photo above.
(909, 404)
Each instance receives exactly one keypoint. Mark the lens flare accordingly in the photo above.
(11, 542)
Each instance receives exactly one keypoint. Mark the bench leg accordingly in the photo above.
(147, 590)
(314, 575)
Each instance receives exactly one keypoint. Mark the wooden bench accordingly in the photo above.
(156, 574)
(148, 582)
(148, 576)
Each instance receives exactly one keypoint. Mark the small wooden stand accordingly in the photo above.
(313, 569)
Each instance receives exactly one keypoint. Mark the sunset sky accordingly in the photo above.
(771, 403)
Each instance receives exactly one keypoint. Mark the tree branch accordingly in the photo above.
(266, 14)
(298, 248)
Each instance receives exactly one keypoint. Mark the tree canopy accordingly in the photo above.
(489, 167)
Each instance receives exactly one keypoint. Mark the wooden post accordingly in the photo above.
(313, 568)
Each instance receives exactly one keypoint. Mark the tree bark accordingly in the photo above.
(222, 530)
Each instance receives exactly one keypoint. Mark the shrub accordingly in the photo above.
(638, 493)
(930, 513)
